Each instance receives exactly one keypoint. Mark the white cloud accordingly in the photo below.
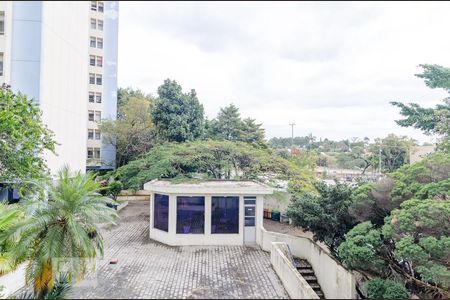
(330, 67)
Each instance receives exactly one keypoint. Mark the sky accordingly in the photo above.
(330, 67)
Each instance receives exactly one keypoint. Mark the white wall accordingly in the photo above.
(336, 281)
(13, 281)
(294, 283)
(64, 80)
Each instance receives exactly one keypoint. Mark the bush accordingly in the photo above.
(385, 289)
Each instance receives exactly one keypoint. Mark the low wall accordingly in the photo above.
(129, 195)
(294, 283)
(336, 281)
(13, 281)
(278, 200)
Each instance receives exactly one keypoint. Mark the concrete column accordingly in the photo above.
(207, 215)
(172, 214)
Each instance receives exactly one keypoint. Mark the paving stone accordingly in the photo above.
(148, 269)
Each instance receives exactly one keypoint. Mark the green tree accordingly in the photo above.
(430, 120)
(252, 132)
(228, 124)
(177, 116)
(23, 138)
(203, 160)
(133, 132)
(325, 215)
(394, 151)
(62, 223)
(385, 289)
(413, 244)
(9, 216)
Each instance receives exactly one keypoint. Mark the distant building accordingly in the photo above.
(419, 152)
(64, 55)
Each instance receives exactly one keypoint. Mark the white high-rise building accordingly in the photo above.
(64, 55)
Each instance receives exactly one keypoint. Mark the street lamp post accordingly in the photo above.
(292, 137)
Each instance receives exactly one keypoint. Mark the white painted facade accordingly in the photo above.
(208, 190)
(45, 52)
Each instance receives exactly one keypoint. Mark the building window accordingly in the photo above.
(99, 61)
(224, 214)
(92, 60)
(190, 215)
(97, 134)
(91, 78)
(161, 212)
(91, 115)
(90, 153)
(98, 98)
(98, 80)
(93, 41)
(99, 43)
(94, 5)
(96, 152)
(98, 116)
(100, 6)
(100, 25)
(1, 63)
(93, 24)
(90, 134)
(2, 22)
(91, 97)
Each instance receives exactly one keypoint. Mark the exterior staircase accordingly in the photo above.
(306, 270)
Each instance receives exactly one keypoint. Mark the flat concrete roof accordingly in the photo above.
(218, 187)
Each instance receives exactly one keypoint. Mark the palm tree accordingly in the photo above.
(61, 231)
(9, 215)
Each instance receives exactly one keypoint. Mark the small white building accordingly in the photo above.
(206, 213)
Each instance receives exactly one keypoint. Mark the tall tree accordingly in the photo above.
(228, 124)
(63, 224)
(177, 116)
(394, 151)
(133, 132)
(23, 138)
(430, 120)
(325, 214)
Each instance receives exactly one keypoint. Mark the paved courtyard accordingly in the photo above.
(148, 269)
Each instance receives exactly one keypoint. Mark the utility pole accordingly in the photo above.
(292, 138)
(379, 161)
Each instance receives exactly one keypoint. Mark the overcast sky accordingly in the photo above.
(331, 68)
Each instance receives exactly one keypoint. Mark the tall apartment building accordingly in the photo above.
(64, 55)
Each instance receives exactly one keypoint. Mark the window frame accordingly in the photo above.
(163, 227)
(97, 97)
(101, 5)
(219, 219)
(100, 42)
(92, 60)
(94, 5)
(100, 27)
(98, 59)
(93, 97)
(98, 79)
(97, 134)
(91, 78)
(97, 116)
(181, 220)
(91, 112)
(93, 42)
(90, 134)
(92, 153)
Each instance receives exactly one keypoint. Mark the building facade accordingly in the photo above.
(46, 51)
(206, 213)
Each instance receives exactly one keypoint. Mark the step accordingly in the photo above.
(305, 271)
(310, 279)
(320, 294)
(315, 286)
